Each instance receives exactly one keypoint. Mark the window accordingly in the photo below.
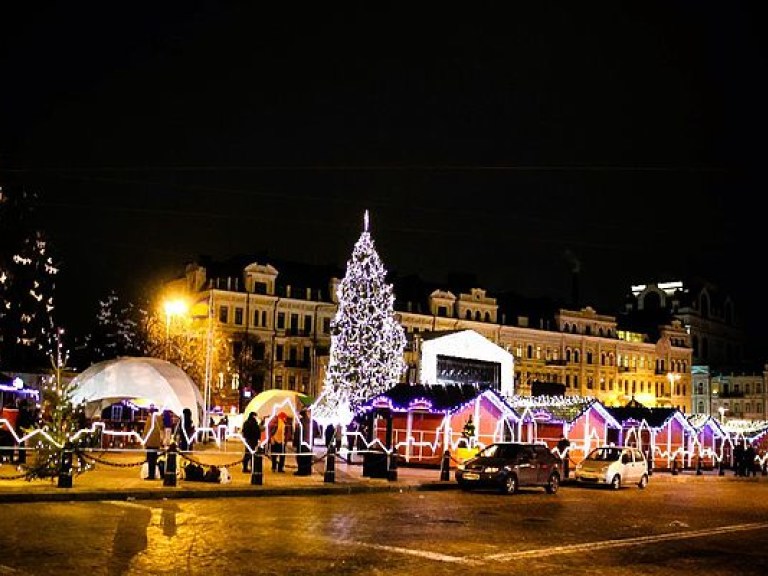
(279, 353)
(239, 316)
(307, 324)
(281, 320)
(326, 325)
(223, 314)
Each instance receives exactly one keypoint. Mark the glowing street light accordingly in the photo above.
(172, 308)
(674, 378)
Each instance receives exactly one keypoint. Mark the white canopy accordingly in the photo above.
(148, 380)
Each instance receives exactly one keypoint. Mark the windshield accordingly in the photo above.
(500, 451)
(605, 454)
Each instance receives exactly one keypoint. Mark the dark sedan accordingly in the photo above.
(507, 466)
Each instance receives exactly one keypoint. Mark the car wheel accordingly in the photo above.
(553, 484)
(464, 486)
(643, 481)
(510, 485)
(616, 482)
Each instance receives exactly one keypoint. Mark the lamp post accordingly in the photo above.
(673, 378)
(172, 308)
(721, 409)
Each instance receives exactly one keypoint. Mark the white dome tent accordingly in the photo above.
(150, 380)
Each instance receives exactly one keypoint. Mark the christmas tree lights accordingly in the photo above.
(367, 341)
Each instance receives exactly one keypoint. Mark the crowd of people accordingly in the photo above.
(745, 461)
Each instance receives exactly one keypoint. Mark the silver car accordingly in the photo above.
(613, 466)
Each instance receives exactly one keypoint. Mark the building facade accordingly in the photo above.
(281, 324)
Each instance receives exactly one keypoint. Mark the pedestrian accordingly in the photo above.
(468, 432)
(351, 436)
(153, 440)
(252, 436)
(563, 446)
(330, 432)
(185, 431)
(277, 441)
(167, 426)
(223, 426)
(749, 461)
(738, 459)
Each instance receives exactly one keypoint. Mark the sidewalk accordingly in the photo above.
(116, 476)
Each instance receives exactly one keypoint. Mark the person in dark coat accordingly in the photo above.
(562, 447)
(252, 436)
(330, 433)
(185, 435)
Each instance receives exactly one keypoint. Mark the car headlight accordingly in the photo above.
(461, 466)
(492, 469)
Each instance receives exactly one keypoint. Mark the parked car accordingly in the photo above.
(507, 466)
(613, 466)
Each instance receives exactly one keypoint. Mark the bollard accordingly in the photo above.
(257, 473)
(699, 471)
(330, 466)
(674, 468)
(722, 468)
(304, 461)
(65, 467)
(392, 471)
(169, 473)
(445, 467)
(765, 467)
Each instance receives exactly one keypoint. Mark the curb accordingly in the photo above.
(185, 493)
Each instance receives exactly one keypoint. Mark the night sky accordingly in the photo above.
(516, 143)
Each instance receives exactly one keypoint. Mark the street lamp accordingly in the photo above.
(172, 308)
(721, 409)
(673, 378)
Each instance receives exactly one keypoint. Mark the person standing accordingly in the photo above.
(186, 432)
(277, 448)
(330, 434)
(167, 426)
(748, 461)
(154, 434)
(563, 446)
(252, 436)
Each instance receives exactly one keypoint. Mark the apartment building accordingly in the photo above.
(278, 317)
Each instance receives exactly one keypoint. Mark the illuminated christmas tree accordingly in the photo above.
(60, 420)
(367, 341)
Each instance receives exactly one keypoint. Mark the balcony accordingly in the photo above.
(557, 362)
(729, 394)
